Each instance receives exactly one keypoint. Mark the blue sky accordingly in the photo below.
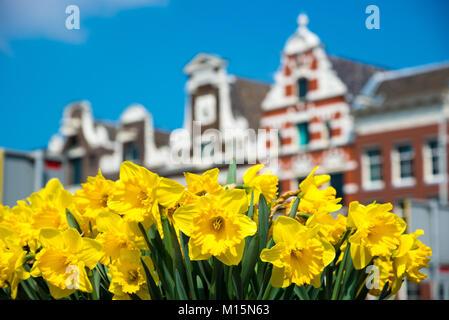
(133, 51)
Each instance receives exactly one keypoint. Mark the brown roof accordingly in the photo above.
(161, 138)
(353, 74)
(246, 99)
(431, 81)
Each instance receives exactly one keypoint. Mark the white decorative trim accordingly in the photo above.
(126, 135)
(77, 152)
(96, 136)
(399, 120)
(350, 188)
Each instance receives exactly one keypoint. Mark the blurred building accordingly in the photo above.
(22, 173)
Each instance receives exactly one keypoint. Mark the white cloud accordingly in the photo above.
(28, 19)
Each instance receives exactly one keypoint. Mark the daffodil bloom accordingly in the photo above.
(4, 211)
(49, 206)
(315, 200)
(128, 275)
(135, 195)
(217, 226)
(330, 229)
(206, 183)
(93, 198)
(116, 234)
(299, 254)
(11, 261)
(377, 231)
(20, 220)
(410, 257)
(383, 273)
(172, 195)
(265, 184)
(63, 260)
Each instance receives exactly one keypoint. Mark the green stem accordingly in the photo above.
(337, 287)
(267, 292)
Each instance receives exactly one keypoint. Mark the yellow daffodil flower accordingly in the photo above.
(20, 220)
(63, 260)
(377, 231)
(330, 229)
(11, 261)
(128, 275)
(265, 183)
(382, 275)
(217, 226)
(410, 257)
(206, 183)
(135, 195)
(299, 254)
(313, 199)
(49, 206)
(93, 198)
(116, 234)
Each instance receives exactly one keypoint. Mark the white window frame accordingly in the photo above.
(367, 183)
(397, 181)
(429, 177)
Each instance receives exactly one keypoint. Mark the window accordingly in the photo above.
(207, 149)
(405, 161)
(402, 166)
(431, 161)
(328, 130)
(374, 165)
(205, 109)
(372, 169)
(131, 152)
(76, 169)
(303, 132)
(302, 88)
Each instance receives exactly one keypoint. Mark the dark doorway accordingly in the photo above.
(337, 182)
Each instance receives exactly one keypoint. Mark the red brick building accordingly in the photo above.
(401, 135)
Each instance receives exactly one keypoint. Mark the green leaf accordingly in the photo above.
(341, 268)
(385, 292)
(264, 212)
(182, 295)
(201, 291)
(232, 172)
(237, 282)
(95, 280)
(30, 292)
(218, 285)
(185, 249)
(301, 293)
(152, 287)
(72, 221)
(250, 258)
(288, 292)
(349, 268)
(251, 206)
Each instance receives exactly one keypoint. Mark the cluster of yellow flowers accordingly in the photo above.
(37, 240)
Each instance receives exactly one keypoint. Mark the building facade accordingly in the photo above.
(378, 133)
